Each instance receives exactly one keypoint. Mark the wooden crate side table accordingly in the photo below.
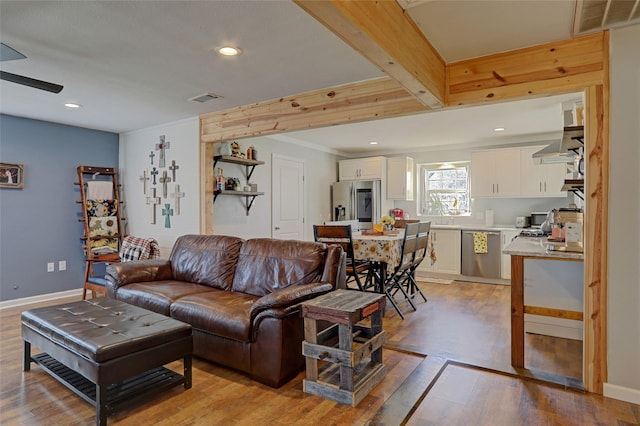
(351, 354)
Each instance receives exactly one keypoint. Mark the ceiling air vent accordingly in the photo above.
(598, 15)
(205, 98)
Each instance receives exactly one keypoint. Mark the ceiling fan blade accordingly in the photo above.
(31, 82)
(9, 53)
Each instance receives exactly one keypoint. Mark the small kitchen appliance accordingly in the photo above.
(523, 221)
(538, 218)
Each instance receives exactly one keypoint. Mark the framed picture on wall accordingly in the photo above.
(11, 175)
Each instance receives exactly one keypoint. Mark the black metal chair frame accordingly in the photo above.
(341, 235)
(396, 280)
(412, 289)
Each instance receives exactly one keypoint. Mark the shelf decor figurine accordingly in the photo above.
(236, 150)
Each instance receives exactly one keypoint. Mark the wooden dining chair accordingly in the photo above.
(397, 280)
(341, 235)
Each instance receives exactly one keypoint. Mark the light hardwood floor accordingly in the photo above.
(440, 363)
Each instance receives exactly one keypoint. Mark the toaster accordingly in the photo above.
(523, 221)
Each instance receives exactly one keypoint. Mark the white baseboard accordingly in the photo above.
(553, 330)
(621, 393)
(42, 298)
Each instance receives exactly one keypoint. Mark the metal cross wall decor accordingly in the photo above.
(154, 173)
(153, 201)
(144, 178)
(164, 180)
(162, 146)
(173, 167)
(176, 195)
(167, 212)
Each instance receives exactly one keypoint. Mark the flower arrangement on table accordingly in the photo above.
(387, 222)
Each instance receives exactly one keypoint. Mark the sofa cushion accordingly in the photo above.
(206, 259)
(266, 265)
(220, 312)
(157, 296)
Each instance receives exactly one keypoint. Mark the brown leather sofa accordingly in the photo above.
(242, 297)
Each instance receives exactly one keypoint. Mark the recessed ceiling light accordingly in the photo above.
(373, 143)
(72, 105)
(499, 129)
(229, 51)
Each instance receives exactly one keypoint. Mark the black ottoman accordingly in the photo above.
(106, 351)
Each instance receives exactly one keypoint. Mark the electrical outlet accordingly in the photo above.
(51, 267)
(62, 265)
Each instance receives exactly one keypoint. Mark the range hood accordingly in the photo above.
(564, 150)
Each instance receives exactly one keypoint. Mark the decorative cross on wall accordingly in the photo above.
(154, 173)
(167, 212)
(162, 146)
(176, 195)
(153, 201)
(144, 178)
(151, 156)
(164, 180)
(173, 167)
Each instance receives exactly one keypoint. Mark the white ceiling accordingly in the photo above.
(135, 64)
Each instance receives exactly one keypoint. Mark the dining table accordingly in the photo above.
(383, 251)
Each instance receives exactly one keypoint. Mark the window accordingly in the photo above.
(444, 189)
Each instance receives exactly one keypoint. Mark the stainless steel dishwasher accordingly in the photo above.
(485, 265)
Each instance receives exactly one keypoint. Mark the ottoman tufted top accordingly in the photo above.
(103, 329)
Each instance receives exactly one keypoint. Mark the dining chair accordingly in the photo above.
(341, 235)
(397, 280)
(412, 289)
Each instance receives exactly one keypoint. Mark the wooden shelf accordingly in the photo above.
(249, 196)
(250, 165)
(236, 160)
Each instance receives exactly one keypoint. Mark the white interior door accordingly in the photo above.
(288, 198)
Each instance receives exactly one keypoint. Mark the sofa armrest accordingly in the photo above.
(289, 296)
(121, 274)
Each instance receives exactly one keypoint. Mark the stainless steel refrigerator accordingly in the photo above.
(359, 200)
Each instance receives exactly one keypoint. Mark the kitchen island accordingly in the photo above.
(532, 248)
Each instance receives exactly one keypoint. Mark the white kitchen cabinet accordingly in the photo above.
(400, 178)
(362, 168)
(447, 245)
(541, 180)
(495, 173)
(505, 263)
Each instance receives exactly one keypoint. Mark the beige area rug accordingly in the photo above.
(433, 280)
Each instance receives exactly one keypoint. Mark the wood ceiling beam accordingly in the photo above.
(350, 103)
(383, 33)
(558, 67)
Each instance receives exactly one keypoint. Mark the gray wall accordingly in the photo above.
(623, 329)
(320, 172)
(39, 224)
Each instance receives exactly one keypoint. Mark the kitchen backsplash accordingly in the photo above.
(505, 210)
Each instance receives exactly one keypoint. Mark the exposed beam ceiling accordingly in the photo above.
(389, 38)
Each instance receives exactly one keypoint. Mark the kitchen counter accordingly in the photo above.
(476, 227)
(535, 248)
(539, 247)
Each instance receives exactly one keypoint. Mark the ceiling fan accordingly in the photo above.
(9, 54)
